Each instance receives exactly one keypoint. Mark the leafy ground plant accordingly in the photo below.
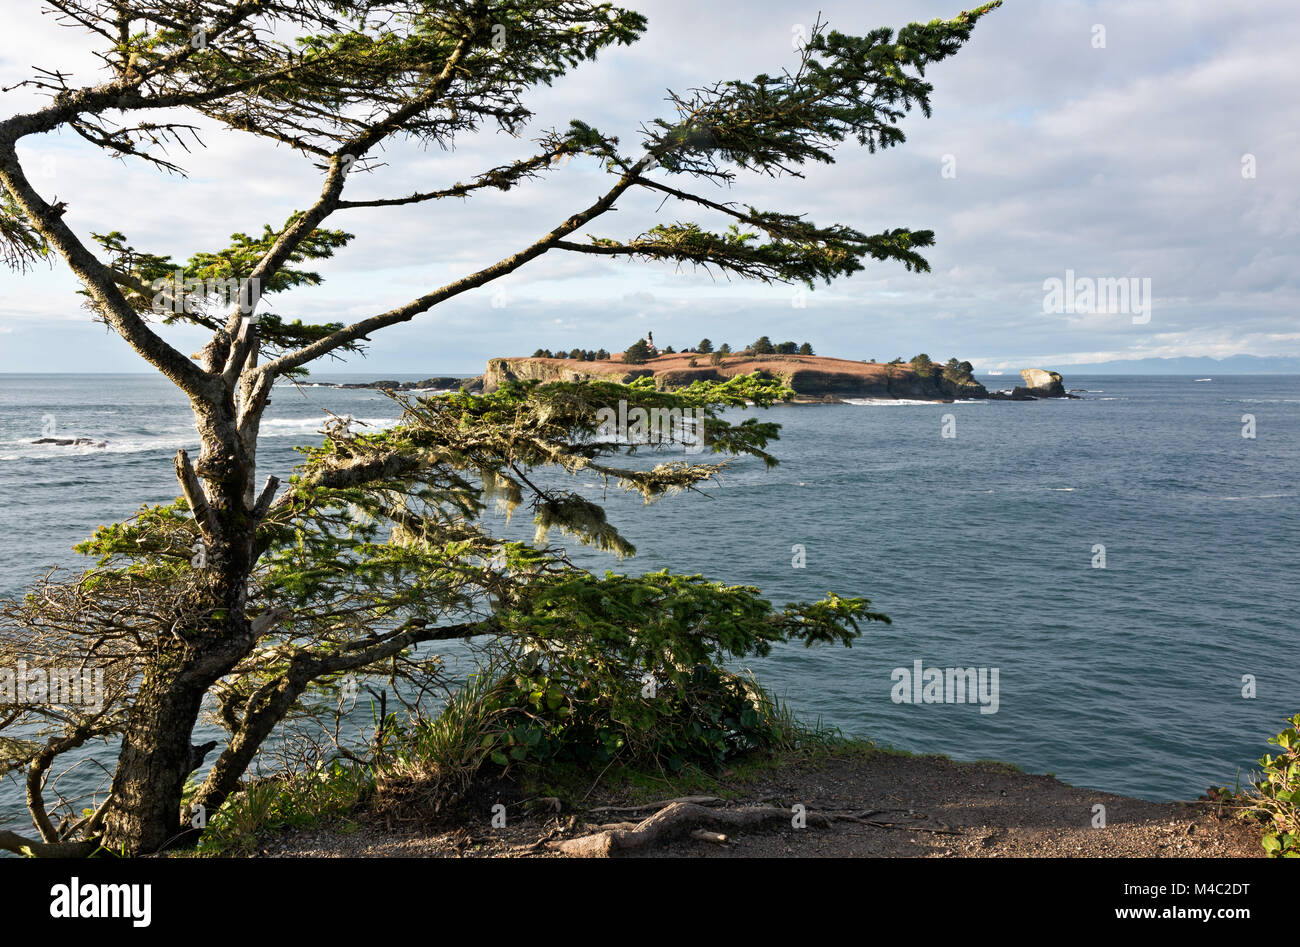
(1278, 785)
(1271, 800)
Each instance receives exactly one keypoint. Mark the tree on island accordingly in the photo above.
(806, 349)
(638, 353)
(265, 599)
(761, 346)
(961, 373)
(705, 347)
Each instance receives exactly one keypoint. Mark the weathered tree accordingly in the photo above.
(388, 521)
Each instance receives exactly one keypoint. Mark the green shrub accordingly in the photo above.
(1278, 786)
(568, 712)
(631, 668)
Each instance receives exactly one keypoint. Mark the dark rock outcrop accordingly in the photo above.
(71, 442)
(1039, 383)
(438, 383)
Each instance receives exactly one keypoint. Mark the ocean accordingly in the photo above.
(984, 546)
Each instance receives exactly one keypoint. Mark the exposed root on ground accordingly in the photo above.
(673, 821)
(694, 816)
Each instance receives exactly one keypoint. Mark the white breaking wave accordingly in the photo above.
(168, 441)
(139, 444)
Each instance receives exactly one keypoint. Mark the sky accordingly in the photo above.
(1153, 141)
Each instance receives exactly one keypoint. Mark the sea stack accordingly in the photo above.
(1042, 383)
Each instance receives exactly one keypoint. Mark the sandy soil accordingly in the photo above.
(930, 807)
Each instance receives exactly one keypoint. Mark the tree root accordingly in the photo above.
(691, 817)
(12, 842)
(674, 820)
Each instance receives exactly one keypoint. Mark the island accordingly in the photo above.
(815, 379)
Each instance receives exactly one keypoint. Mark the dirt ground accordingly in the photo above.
(911, 807)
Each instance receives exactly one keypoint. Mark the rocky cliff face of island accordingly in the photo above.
(501, 370)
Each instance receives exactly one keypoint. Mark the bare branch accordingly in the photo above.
(412, 309)
(265, 498)
(194, 495)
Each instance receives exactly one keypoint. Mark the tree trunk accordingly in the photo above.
(153, 764)
(155, 760)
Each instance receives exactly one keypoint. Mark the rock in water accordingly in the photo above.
(1043, 383)
(71, 442)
